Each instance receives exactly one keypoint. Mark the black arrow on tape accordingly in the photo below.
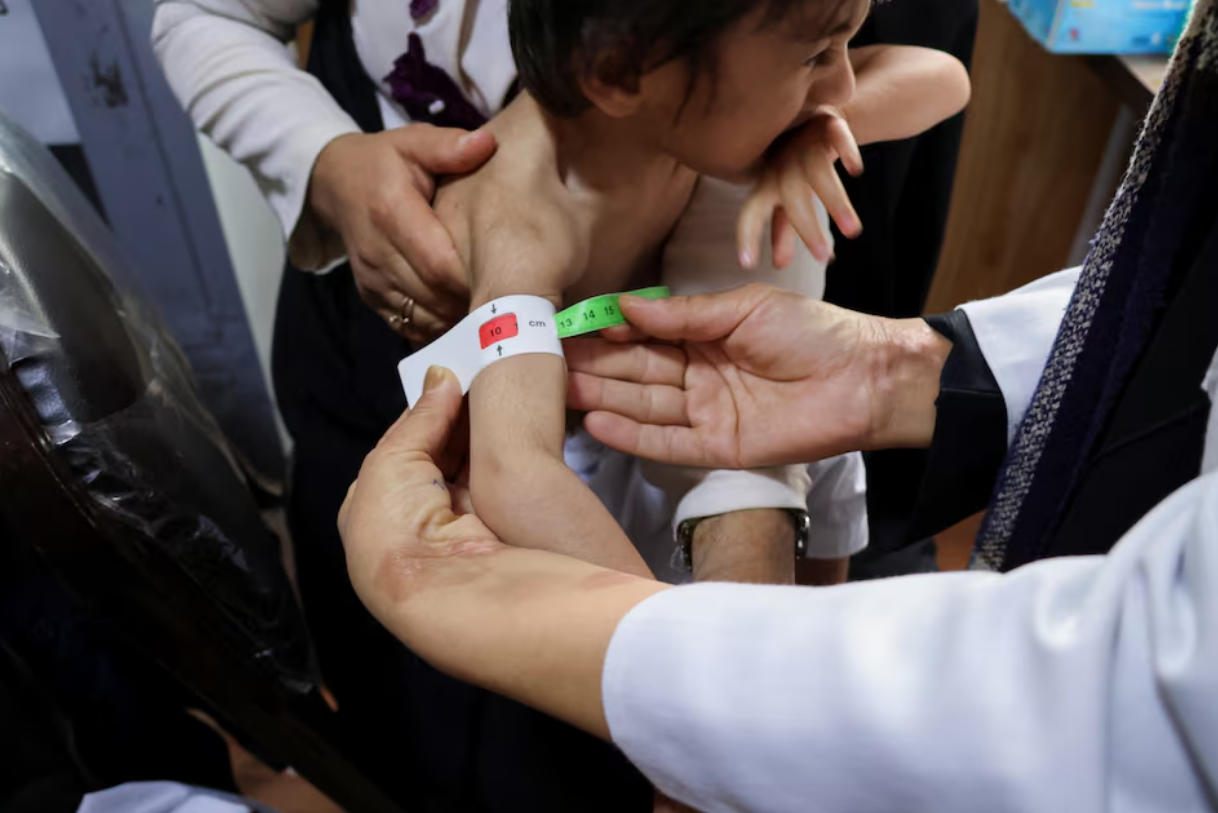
(500, 349)
(494, 309)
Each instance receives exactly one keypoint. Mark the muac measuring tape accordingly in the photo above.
(511, 326)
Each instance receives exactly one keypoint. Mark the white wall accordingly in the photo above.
(30, 93)
(254, 245)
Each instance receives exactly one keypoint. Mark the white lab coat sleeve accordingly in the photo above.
(1074, 685)
(1016, 332)
(228, 64)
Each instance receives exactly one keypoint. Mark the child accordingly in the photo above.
(627, 103)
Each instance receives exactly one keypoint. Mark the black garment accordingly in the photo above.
(1137, 278)
(436, 743)
(1150, 445)
(38, 772)
(1118, 419)
(79, 709)
(902, 199)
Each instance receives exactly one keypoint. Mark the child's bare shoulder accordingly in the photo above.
(521, 231)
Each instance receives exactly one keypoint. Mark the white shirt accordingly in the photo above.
(227, 62)
(1077, 685)
(166, 797)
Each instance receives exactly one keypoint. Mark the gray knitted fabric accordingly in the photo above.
(1197, 52)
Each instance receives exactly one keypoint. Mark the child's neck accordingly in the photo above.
(602, 154)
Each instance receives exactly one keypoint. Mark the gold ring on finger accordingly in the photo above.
(406, 312)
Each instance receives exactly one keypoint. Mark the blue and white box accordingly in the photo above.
(1103, 26)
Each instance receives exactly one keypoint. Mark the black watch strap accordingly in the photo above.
(970, 440)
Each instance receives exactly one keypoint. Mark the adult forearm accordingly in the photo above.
(907, 361)
(528, 624)
(755, 547)
(237, 82)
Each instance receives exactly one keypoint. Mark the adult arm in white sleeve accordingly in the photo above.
(1084, 684)
(228, 63)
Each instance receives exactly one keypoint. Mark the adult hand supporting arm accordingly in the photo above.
(530, 624)
(334, 190)
(1061, 686)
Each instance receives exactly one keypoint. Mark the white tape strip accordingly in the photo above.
(506, 327)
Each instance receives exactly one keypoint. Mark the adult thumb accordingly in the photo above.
(446, 150)
(702, 318)
(425, 428)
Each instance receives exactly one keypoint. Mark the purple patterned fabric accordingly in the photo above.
(421, 8)
(428, 93)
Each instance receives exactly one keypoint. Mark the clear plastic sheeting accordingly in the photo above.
(115, 396)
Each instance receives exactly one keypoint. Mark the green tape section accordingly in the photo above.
(600, 312)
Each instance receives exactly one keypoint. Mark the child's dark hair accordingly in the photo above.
(556, 42)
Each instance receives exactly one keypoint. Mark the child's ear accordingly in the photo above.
(614, 92)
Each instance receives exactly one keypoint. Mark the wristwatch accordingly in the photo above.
(799, 520)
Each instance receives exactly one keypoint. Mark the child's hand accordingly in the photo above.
(801, 169)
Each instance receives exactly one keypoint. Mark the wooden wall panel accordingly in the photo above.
(1036, 131)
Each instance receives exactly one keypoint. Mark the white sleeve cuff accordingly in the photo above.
(708, 493)
(834, 493)
(837, 507)
(1016, 332)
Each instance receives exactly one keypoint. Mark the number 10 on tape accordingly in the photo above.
(498, 329)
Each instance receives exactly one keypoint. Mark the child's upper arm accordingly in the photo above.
(523, 250)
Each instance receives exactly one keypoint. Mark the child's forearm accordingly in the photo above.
(517, 473)
(902, 91)
(533, 485)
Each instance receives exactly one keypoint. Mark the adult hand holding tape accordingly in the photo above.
(511, 326)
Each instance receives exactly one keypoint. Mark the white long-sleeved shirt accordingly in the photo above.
(227, 62)
(1077, 685)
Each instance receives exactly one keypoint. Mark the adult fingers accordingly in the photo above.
(424, 262)
(704, 318)
(649, 404)
(421, 434)
(642, 363)
(678, 445)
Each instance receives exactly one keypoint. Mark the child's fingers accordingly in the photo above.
(798, 201)
(751, 223)
(828, 185)
(841, 138)
(782, 238)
